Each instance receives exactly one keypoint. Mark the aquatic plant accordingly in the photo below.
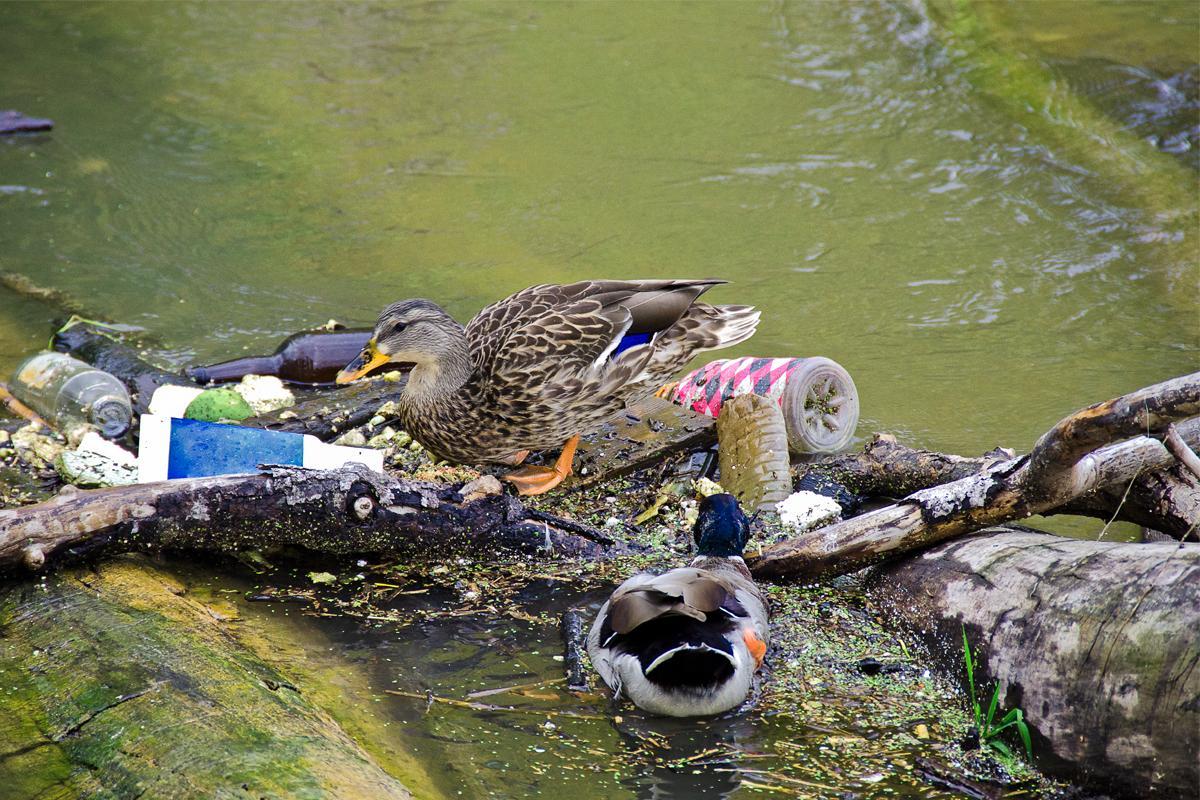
(989, 729)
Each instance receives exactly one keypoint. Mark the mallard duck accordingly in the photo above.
(535, 370)
(687, 642)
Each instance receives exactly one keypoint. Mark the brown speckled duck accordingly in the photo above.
(535, 370)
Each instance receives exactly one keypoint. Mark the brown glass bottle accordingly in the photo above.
(306, 357)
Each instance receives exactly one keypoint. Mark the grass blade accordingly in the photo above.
(992, 707)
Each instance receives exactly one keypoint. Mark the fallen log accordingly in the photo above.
(1064, 466)
(348, 510)
(117, 685)
(1096, 642)
(1165, 500)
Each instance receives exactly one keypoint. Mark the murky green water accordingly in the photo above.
(223, 174)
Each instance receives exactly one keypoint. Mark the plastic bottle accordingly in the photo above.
(817, 396)
(71, 394)
(306, 357)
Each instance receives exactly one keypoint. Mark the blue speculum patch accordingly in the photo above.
(631, 340)
(199, 449)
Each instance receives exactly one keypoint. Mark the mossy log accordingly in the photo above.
(1082, 454)
(117, 686)
(1096, 642)
(348, 510)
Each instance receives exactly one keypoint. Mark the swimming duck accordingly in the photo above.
(535, 370)
(687, 642)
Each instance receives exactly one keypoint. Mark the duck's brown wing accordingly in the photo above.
(686, 592)
(575, 324)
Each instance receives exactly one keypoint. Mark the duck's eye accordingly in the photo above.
(398, 327)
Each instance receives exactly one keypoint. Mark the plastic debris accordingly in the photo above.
(185, 448)
(817, 396)
(172, 401)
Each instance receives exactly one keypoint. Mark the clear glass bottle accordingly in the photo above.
(69, 394)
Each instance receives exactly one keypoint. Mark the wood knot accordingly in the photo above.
(363, 507)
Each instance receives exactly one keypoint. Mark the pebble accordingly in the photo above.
(97, 462)
(265, 393)
(352, 438)
(804, 511)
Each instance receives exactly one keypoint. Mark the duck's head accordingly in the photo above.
(410, 331)
(721, 530)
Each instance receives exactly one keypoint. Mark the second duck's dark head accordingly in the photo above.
(722, 530)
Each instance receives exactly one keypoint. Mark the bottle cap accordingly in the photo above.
(111, 416)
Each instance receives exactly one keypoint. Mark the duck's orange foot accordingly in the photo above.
(666, 390)
(539, 480)
(515, 459)
(535, 480)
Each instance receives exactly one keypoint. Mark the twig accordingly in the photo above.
(1120, 505)
(91, 715)
(56, 298)
(1179, 448)
(569, 525)
(450, 701)
(517, 688)
(572, 632)
(17, 407)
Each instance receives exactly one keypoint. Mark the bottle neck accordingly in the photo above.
(235, 369)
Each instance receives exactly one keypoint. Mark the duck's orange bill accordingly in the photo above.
(756, 646)
(367, 360)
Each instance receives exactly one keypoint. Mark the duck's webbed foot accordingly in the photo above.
(539, 480)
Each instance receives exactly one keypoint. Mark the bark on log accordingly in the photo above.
(349, 510)
(117, 686)
(1097, 642)
(646, 435)
(1009, 490)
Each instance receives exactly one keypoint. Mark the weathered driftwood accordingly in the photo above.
(350, 510)
(648, 434)
(117, 685)
(1097, 642)
(1165, 500)
(1064, 465)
